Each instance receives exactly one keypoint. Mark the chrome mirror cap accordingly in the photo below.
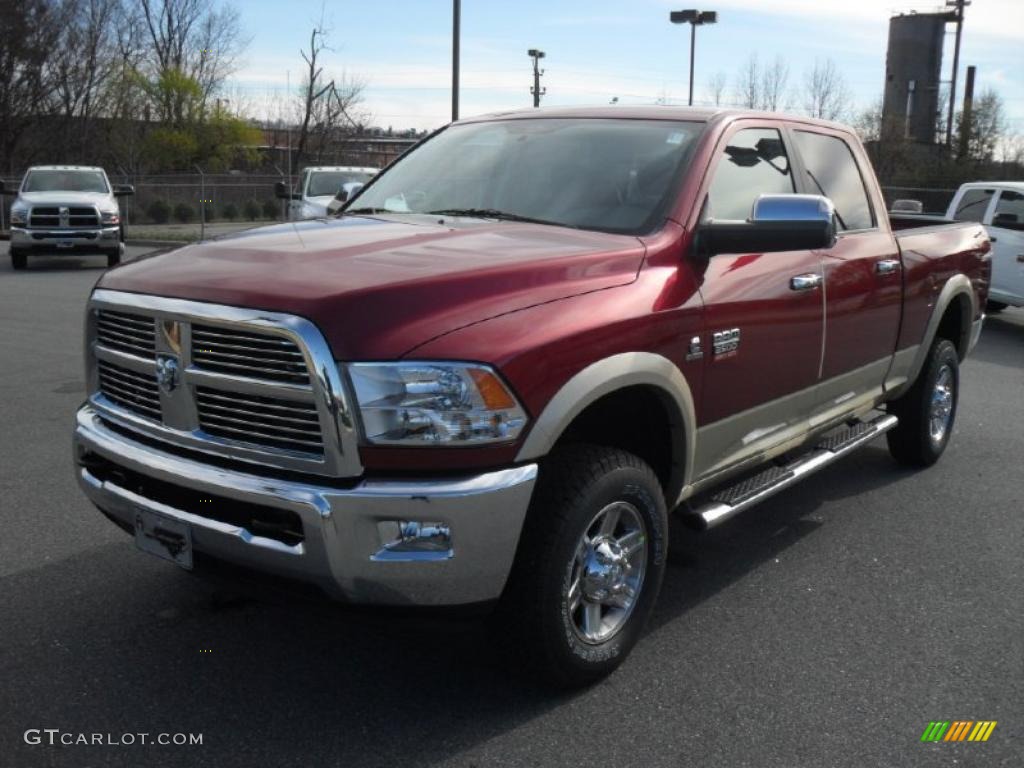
(793, 208)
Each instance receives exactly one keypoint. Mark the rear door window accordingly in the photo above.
(753, 163)
(1009, 212)
(832, 171)
(973, 204)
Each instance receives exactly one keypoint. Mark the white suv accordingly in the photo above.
(66, 208)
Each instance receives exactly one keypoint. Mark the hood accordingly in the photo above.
(100, 199)
(377, 288)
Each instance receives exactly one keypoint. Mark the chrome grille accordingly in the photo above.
(266, 421)
(130, 389)
(261, 356)
(230, 382)
(134, 334)
(44, 216)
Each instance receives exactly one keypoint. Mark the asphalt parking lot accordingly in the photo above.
(825, 628)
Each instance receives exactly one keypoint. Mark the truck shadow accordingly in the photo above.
(125, 643)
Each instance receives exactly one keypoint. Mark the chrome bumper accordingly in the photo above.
(104, 237)
(346, 532)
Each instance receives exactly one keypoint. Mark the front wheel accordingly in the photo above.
(19, 260)
(927, 411)
(589, 566)
(113, 258)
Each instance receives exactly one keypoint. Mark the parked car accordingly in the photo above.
(492, 378)
(318, 188)
(66, 209)
(999, 205)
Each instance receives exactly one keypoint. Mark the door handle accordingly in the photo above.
(887, 266)
(1020, 258)
(807, 282)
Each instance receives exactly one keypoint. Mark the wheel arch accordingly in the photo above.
(629, 372)
(952, 318)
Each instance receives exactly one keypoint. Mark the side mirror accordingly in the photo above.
(777, 223)
(281, 190)
(123, 190)
(342, 196)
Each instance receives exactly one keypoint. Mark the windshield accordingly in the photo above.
(613, 175)
(65, 181)
(329, 182)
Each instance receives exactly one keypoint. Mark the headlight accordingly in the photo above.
(19, 216)
(111, 217)
(428, 403)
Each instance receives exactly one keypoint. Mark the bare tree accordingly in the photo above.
(826, 94)
(774, 78)
(313, 87)
(195, 39)
(748, 84)
(717, 85)
(987, 127)
(29, 31)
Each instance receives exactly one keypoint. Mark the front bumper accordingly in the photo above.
(342, 549)
(100, 239)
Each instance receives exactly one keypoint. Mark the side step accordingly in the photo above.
(730, 501)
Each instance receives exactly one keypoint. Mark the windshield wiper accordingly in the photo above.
(491, 213)
(366, 210)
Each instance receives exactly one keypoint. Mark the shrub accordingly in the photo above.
(230, 211)
(184, 212)
(251, 210)
(159, 212)
(271, 208)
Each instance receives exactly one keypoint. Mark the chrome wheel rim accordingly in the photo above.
(940, 409)
(606, 574)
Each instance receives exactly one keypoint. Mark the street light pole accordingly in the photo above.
(694, 18)
(456, 24)
(536, 55)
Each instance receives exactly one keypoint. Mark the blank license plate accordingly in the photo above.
(163, 537)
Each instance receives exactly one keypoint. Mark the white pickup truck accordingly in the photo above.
(66, 208)
(319, 186)
(999, 206)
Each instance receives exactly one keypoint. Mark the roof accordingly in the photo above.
(651, 112)
(340, 168)
(1014, 185)
(66, 168)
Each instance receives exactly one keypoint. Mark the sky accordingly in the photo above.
(596, 50)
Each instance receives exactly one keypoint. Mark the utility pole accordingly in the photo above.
(965, 118)
(456, 25)
(958, 15)
(537, 91)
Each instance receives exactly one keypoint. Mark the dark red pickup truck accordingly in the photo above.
(493, 376)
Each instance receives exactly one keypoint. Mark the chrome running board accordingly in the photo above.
(731, 500)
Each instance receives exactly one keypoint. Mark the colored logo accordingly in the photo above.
(958, 730)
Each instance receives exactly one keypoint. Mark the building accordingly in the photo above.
(913, 74)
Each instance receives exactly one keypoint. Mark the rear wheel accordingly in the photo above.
(927, 411)
(19, 259)
(589, 565)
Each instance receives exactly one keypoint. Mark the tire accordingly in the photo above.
(19, 259)
(580, 488)
(927, 411)
(995, 307)
(113, 258)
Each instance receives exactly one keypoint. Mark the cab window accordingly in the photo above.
(973, 204)
(753, 163)
(1009, 211)
(832, 171)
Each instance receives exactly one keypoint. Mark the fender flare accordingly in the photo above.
(956, 286)
(610, 375)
